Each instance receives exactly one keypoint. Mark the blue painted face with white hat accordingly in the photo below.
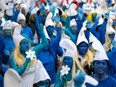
(100, 66)
(82, 48)
(68, 61)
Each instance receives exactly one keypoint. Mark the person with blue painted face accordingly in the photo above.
(85, 55)
(100, 66)
(23, 59)
(69, 66)
(110, 36)
(8, 40)
(49, 55)
(25, 29)
(72, 32)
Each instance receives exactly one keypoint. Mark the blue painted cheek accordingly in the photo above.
(111, 36)
(7, 32)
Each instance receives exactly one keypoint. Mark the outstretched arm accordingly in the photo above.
(38, 48)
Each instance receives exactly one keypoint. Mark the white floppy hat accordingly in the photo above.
(73, 23)
(21, 16)
(17, 37)
(81, 37)
(109, 28)
(49, 21)
(7, 25)
(100, 56)
(69, 46)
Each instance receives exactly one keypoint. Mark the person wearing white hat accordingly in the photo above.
(23, 59)
(72, 31)
(100, 66)
(27, 31)
(71, 73)
(110, 35)
(49, 55)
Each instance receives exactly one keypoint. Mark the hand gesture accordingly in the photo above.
(88, 24)
(107, 14)
(57, 18)
(6, 52)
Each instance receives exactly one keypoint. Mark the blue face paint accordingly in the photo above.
(88, 24)
(73, 29)
(94, 17)
(50, 30)
(111, 36)
(8, 32)
(24, 45)
(68, 61)
(82, 48)
(100, 66)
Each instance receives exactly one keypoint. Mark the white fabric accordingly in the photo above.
(73, 22)
(17, 37)
(100, 56)
(21, 17)
(87, 8)
(100, 21)
(34, 74)
(7, 25)
(49, 21)
(81, 36)
(12, 79)
(70, 47)
(3, 6)
(109, 28)
(90, 80)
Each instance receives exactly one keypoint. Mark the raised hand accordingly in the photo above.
(57, 18)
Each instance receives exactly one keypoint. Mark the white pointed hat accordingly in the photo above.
(81, 37)
(100, 56)
(21, 16)
(87, 8)
(7, 25)
(72, 10)
(34, 11)
(17, 37)
(9, 11)
(49, 21)
(109, 28)
(73, 22)
(69, 46)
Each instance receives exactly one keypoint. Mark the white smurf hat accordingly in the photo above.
(7, 25)
(17, 37)
(100, 56)
(69, 46)
(87, 8)
(21, 16)
(73, 23)
(81, 37)
(49, 21)
(9, 11)
(109, 28)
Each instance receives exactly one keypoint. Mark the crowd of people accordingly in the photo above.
(59, 43)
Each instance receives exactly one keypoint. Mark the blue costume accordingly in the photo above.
(112, 63)
(48, 55)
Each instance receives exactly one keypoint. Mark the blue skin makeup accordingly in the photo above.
(50, 30)
(24, 46)
(82, 48)
(73, 29)
(68, 61)
(111, 36)
(7, 32)
(100, 66)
